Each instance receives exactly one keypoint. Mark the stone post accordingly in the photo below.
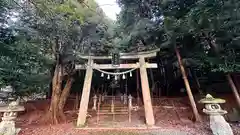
(129, 108)
(112, 106)
(94, 103)
(121, 97)
(218, 124)
(130, 101)
(125, 99)
(99, 98)
(103, 97)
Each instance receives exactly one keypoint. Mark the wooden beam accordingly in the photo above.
(121, 66)
(146, 54)
(146, 94)
(82, 114)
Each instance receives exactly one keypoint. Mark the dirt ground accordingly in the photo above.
(169, 121)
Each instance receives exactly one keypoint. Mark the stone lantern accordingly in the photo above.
(218, 124)
(7, 125)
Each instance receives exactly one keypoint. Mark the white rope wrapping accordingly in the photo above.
(113, 73)
(118, 73)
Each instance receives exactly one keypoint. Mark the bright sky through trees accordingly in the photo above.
(110, 7)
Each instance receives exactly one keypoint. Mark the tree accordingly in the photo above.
(72, 32)
(50, 34)
(220, 37)
(199, 29)
(165, 19)
(23, 66)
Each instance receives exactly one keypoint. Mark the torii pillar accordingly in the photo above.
(82, 114)
(146, 93)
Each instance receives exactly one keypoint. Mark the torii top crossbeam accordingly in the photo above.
(145, 54)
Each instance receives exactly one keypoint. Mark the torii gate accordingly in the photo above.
(143, 74)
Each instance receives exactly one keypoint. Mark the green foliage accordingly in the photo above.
(23, 66)
(215, 23)
(47, 32)
(207, 32)
(204, 30)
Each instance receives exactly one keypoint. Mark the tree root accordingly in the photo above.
(53, 119)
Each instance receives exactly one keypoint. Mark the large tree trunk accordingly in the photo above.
(189, 92)
(59, 96)
(56, 92)
(49, 92)
(234, 89)
(64, 95)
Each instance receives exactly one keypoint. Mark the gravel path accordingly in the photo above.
(69, 129)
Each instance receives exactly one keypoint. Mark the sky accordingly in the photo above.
(110, 8)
